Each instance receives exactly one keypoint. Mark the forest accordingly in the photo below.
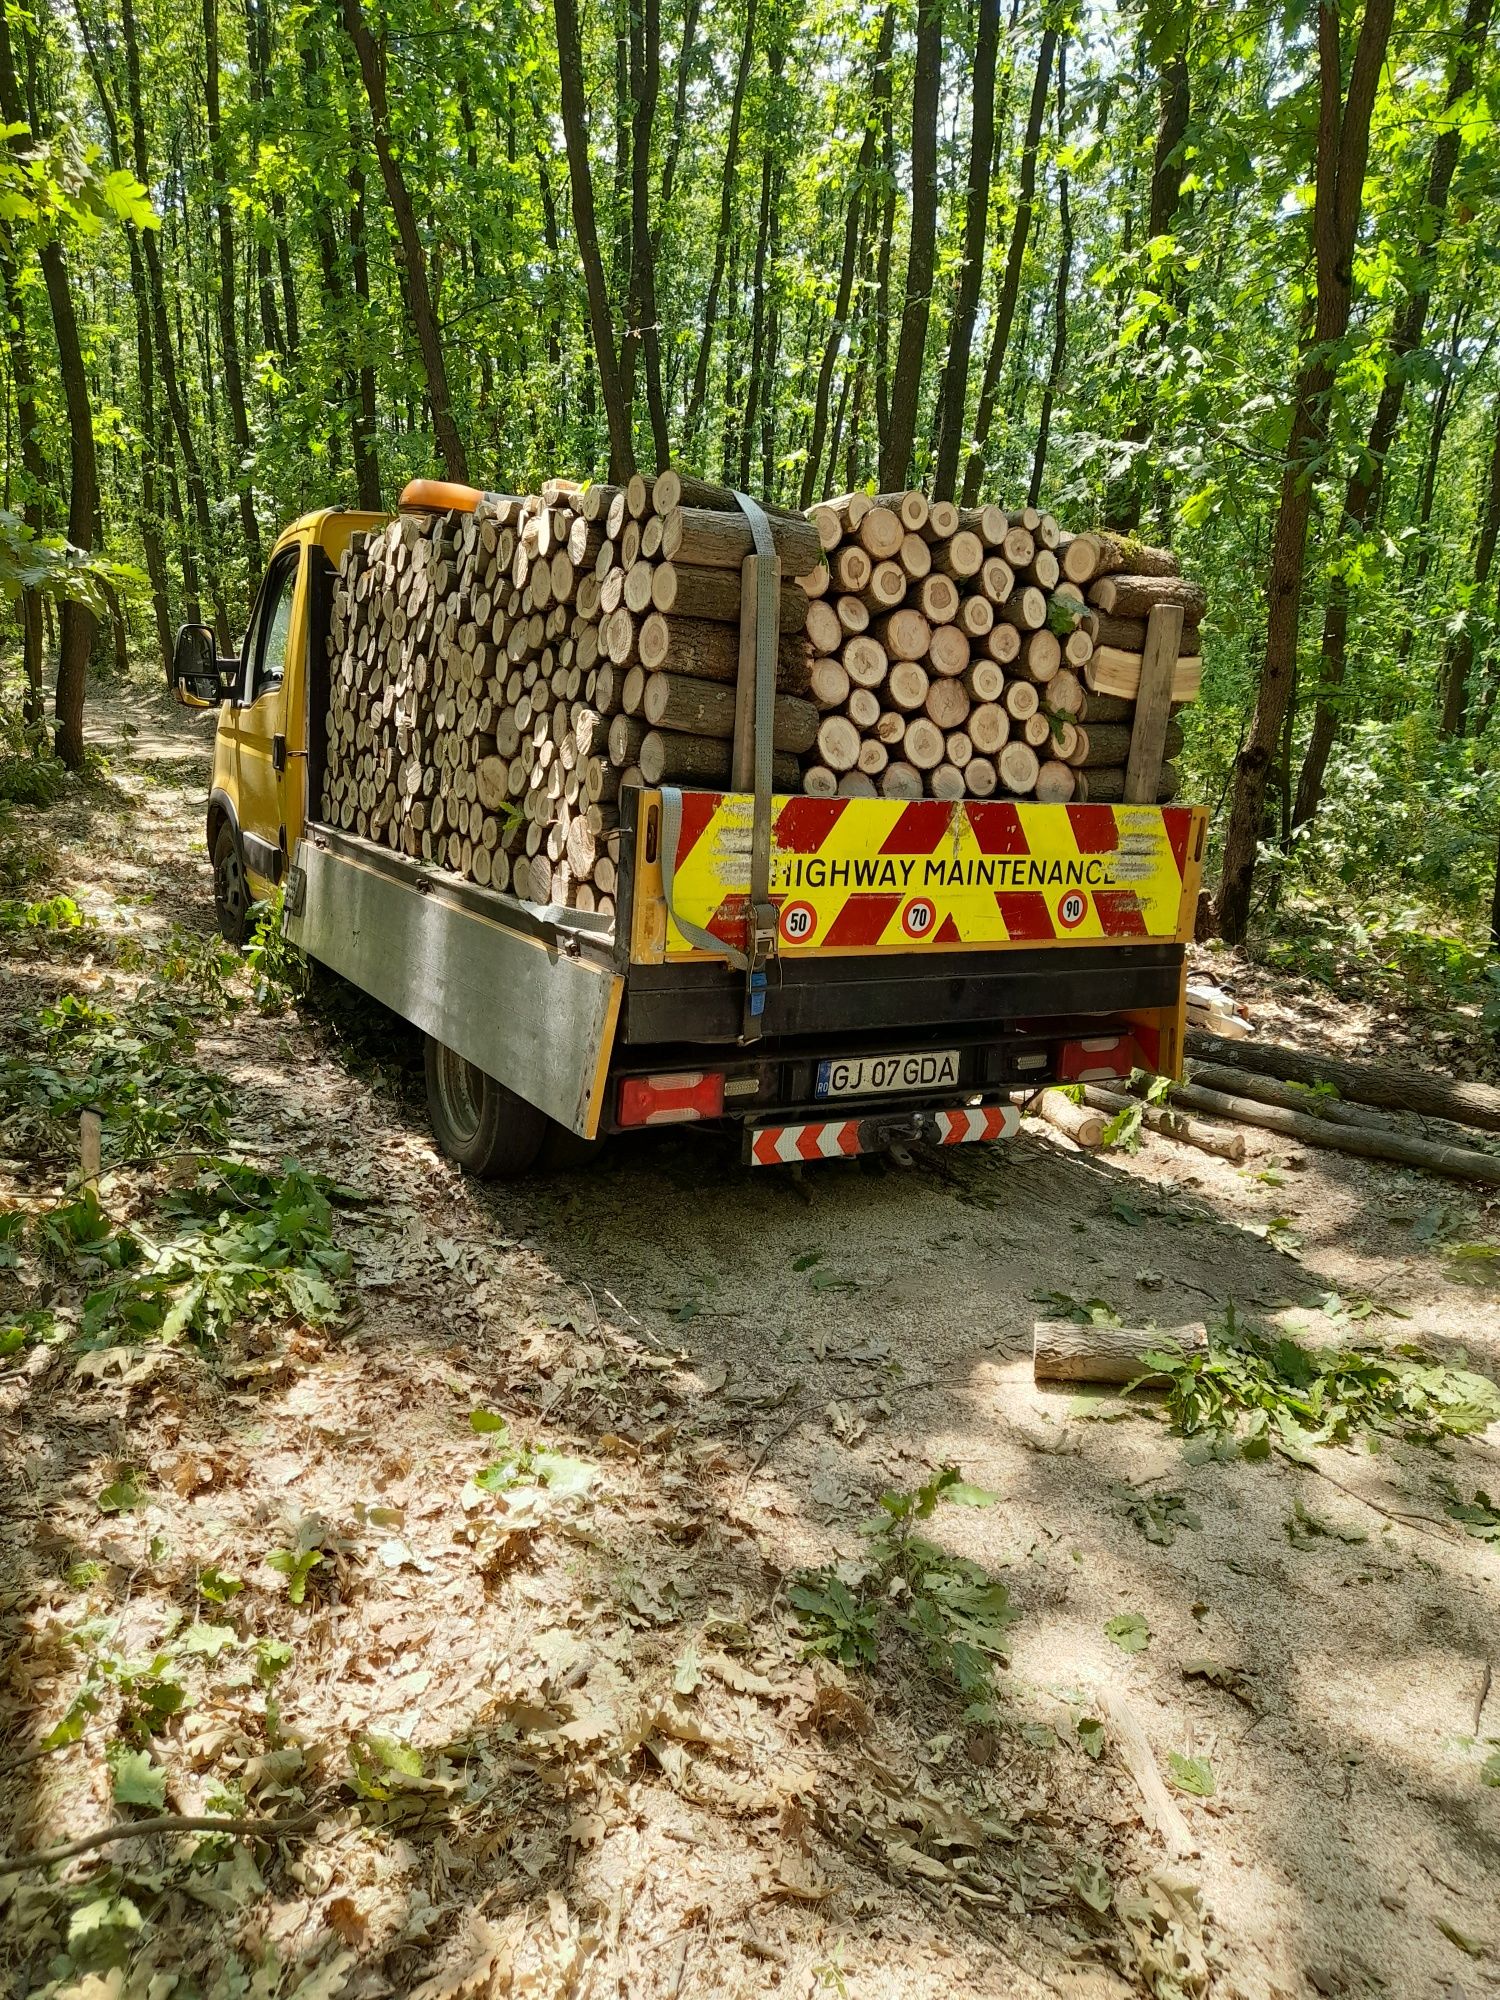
(1225, 277)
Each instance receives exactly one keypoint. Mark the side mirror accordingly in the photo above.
(198, 677)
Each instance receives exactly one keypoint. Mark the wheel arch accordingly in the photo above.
(220, 810)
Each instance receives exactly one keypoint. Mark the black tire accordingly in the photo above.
(486, 1128)
(231, 887)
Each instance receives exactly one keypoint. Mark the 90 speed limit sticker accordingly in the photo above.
(1072, 909)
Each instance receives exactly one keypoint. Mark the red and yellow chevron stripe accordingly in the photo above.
(840, 1138)
(884, 875)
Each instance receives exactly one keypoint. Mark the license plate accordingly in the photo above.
(876, 1076)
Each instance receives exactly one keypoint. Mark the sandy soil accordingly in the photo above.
(649, 1789)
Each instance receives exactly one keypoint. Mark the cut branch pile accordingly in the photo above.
(498, 677)
(955, 654)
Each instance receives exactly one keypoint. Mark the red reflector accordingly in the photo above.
(671, 1100)
(1098, 1056)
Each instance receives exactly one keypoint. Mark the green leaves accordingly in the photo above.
(123, 1493)
(1479, 1516)
(137, 1780)
(1297, 1397)
(1129, 1631)
(835, 1623)
(1160, 1515)
(124, 196)
(297, 1567)
(1192, 1774)
(268, 1255)
(956, 1611)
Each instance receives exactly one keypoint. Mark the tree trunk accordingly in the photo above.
(413, 257)
(166, 356)
(363, 416)
(687, 49)
(835, 340)
(769, 191)
(1362, 495)
(1342, 150)
(1459, 657)
(899, 434)
(150, 510)
(77, 621)
(229, 342)
(699, 390)
(1444, 406)
(34, 467)
(1060, 293)
(645, 87)
(601, 321)
(1010, 284)
(887, 234)
(1126, 505)
(953, 391)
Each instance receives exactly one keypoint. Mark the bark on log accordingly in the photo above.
(1064, 1351)
(1108, 787)
(1390, 1085)
(1290, 1096)
(1082, 1124)
(1455, 1162)
(664, 754)
(1137, 596)
(715, 593)
(1129, 634)
(707, 708)
(1116, 553)
(1172, 1124)
(711, 540)
(1109, 743)
(706, 650)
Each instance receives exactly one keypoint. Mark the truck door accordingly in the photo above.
(258, 719)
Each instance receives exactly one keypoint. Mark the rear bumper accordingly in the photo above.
(799, 1142)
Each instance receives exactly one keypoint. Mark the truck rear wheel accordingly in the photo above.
(486, 1128)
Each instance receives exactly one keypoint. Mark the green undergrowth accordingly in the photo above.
(129, 1061)
(957, 1613)
(1251, 1392)
(237, 1247)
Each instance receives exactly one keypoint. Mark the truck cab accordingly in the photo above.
(257, 804)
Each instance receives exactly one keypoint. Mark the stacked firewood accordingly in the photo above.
(956, 655)
(497, 678)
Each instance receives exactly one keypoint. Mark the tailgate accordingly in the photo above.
(887, 876)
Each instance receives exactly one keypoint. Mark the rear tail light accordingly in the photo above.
(1095, 1057)
(671, 1100)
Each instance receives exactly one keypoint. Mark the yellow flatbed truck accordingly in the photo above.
(830, 976)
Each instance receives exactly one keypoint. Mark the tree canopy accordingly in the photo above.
(1227, 276)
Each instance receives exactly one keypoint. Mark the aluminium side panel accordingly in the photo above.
(518, 997)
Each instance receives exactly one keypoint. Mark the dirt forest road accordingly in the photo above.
(618, 1771)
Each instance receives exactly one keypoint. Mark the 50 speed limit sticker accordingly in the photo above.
(798, 922)
(1072, 909)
